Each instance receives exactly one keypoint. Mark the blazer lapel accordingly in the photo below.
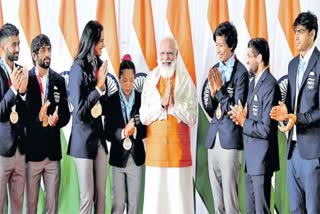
(258, 85)
(312, 62)
(293, 80)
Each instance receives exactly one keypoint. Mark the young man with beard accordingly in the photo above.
(13, 86)
(168, 108)
(261, 153)
(47, 112)
(228, 82)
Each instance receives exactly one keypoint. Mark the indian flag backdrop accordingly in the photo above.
(136, 27)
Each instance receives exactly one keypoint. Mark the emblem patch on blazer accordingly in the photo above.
(255, 106)
(56, 94)
(311, 80)
(230, 91)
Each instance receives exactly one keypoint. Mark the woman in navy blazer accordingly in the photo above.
(87, 143)
(125, 132)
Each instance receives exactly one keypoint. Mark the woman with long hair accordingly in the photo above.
(88, 93)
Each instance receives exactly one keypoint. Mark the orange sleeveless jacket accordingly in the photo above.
(168, 141)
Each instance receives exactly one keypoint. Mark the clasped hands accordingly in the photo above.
(168, 99)
(214, 80)
(52, 119)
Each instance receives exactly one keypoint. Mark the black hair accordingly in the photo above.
(38, 42)
(260, 46)
(126, 64)
(229, 32)
(8, 30)
(308, 20)
(89, 38)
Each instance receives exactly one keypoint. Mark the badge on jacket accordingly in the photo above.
(311, 80)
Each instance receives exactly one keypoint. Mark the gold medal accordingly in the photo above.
(45, 121)
(127, 144)
(218, 112)
(96, 110)
(14, 117)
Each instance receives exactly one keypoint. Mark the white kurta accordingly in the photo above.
(169, 190)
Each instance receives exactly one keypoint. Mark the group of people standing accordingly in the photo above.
(245, 114)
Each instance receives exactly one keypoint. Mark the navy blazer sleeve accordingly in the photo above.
(7, 101)
(63, 111)
(82, 104)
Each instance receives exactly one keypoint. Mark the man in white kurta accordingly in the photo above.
(168, 108)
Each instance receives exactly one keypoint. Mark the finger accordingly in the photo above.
(56, 110)
(240, 104)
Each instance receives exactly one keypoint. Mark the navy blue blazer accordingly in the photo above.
(308, 107)
(11, 135)
(261, 153)
(43, 142)
(229, 94)
(114, 124)
(86, 130)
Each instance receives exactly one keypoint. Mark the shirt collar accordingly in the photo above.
(307, 57)
(230, 62)
(259, 76)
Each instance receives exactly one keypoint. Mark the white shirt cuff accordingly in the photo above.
(101, 92)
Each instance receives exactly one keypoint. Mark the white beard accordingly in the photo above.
(167, 71)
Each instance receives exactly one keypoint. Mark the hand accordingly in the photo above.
(292, 120)
(212, 84)
(217, 79)
(165, 100)
(16, 78)
(238, 114)
(102, 76)
(129, 128)
(53, 119)
(24, 82)
(279, 112)
(43, 110)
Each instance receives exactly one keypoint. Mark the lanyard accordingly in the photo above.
(6, 71)
(124, 111)
(44, 94)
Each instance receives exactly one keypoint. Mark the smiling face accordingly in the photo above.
(43, 58)
(11, 48)
(99, 46)
(223, 50)
(127, 81)
(167, 56)
(252, 61)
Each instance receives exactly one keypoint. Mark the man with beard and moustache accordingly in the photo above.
(48, 111)
(13, 86)
(260, 137)
(168, 109)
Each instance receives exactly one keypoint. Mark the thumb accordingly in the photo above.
(56, 111)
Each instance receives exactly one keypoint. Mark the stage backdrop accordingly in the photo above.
(136, 27)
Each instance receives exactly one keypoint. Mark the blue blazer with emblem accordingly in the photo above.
(114, 124)
(261, 153)
(44, 142)
(86, 131)
(308, 107)
(229, 94)
(12, 136)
